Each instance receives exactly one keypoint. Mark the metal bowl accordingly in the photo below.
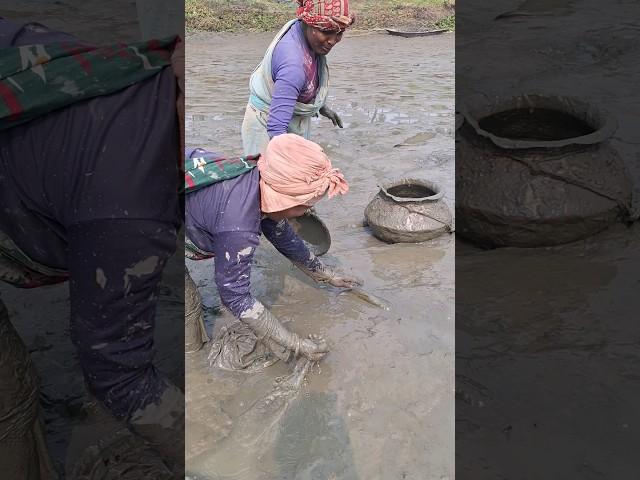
(313, 231)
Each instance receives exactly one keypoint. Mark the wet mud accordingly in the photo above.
(553, 324)
(253, 432)
(91, 20)
(380, 404)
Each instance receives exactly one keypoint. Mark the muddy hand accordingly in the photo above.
(325, 274)
(337, 279)
(269, 329)
(314, 348)
(331, 115)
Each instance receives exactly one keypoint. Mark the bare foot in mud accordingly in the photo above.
(314, 348)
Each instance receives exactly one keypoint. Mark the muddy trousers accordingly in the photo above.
(113, 293)
(23, 451)
(195, 333)
(113, 300)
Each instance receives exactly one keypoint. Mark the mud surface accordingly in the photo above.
(91, 20)
(41, 316)
(546, 339)
(381, 404)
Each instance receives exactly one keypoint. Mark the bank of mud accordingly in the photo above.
(380, 405)
(267, 15)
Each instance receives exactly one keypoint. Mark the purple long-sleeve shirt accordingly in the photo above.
(225, 219)
(294, 69)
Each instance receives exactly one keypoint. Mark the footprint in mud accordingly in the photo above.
(313, 441)
(436, 159)
(120, 456)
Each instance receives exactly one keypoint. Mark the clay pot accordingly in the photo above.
(313, 231)
(408, 210)
(536, 171)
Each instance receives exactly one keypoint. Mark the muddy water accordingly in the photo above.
(91, 20)
(381, 404)
(554, 325)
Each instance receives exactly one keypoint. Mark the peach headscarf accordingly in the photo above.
(295, 171)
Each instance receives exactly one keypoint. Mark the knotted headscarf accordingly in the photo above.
(295, 171)
(326, 15)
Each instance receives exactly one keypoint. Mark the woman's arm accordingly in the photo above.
(289, 80)
(233, 256)
(234, 253)
(287, 242)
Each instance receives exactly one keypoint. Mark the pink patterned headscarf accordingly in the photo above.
(295, 171)
(326, 15)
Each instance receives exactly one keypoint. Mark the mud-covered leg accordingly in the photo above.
(269, 330)
(23, 451)
(113, 291)
(195, 333)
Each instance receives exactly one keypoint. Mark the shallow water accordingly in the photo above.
(380, 406)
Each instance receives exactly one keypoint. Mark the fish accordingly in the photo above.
(367, 297)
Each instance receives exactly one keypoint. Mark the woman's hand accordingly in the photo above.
(333, 277)
(331, 115)
(343, 281)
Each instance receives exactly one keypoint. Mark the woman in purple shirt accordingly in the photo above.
(290, 85)
(227, 218)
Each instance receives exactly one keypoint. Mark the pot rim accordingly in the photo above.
(321, 247)
(606, 127)
(439, 192)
